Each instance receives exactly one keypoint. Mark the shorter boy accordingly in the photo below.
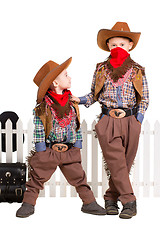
(57, 139)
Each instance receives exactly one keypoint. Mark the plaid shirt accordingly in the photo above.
(58, 134)
(120, 94)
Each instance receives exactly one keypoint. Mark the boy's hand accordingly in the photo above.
(75, 99)
(139, 122)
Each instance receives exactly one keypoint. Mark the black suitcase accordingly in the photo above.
(12, 182)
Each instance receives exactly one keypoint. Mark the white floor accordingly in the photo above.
(61, 218)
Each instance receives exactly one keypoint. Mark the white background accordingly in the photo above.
(33, 32)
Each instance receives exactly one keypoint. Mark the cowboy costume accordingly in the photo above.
(58, 139)
(120, 86)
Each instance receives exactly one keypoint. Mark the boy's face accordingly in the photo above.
(63, 81)
(120, 42)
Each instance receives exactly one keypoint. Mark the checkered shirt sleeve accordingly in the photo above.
(38, 133)
(90, 96)
(143, 105)
(79, 134)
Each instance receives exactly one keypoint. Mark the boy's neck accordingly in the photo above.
(58, 91)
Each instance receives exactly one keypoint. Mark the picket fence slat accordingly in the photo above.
(136, 178)
(63, 185)
(52, 188)
(94, 162)
(73, 191)
(19, 141)
(143, 161)
(0, 144)
(146, 160)
(30, 136)
(42, 192)
(84, 145)
(105, 185)
(157, 159)
(9, 141)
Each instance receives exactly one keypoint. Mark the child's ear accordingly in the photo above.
(55, 83)
(130, 45)
(108, 45)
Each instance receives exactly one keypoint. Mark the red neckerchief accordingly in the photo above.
(118, 56)
(60, 98)
(66, 119)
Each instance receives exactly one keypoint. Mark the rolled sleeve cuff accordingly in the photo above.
(41, 146)
(83, 100)
(78, 144)
(140, 117)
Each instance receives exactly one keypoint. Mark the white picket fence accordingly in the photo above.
(145, 176)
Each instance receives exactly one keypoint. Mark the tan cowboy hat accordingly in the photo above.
(120, 29)
(46, 75)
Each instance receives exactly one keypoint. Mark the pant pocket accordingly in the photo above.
(136, 123)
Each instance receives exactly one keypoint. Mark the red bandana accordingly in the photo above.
(60, 98)
(118, 56)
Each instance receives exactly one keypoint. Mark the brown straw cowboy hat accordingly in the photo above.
(120, 29)
(46, 75)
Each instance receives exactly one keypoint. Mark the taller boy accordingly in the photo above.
(120, 86)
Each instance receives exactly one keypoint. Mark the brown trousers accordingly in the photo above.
(44, 164)
(119, 139)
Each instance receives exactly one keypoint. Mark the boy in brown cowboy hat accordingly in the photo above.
(120, 86)
(57, 138)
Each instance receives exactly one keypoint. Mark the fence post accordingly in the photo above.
(157, 159)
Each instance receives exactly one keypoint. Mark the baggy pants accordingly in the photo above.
(119, 139)
(44, 164)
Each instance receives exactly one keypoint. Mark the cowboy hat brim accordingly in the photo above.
(49, 78)
(105, 34)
